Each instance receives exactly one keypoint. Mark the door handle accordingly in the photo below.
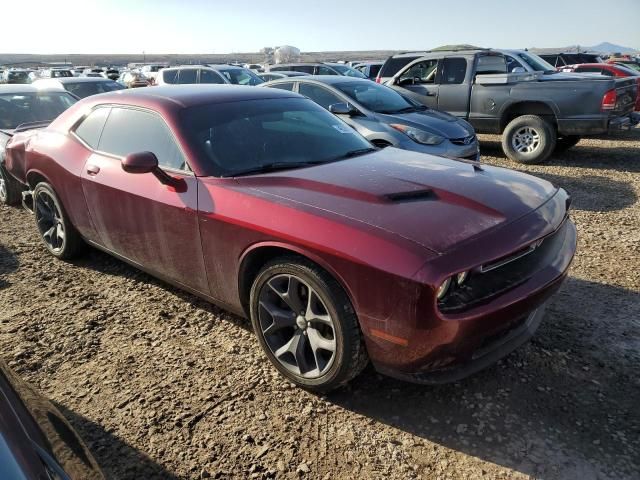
(93, 169)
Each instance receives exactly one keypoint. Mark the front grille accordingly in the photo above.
(503, 274)
(464, 140)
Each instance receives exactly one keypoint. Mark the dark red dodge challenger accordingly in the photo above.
(268, 205)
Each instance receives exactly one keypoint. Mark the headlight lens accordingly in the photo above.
(417, 135)
(462, 277)
(442, 290)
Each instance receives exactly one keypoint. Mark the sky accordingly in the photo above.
(199, 26)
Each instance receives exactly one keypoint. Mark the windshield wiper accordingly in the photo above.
(272, 167)
(354, 153)
(413, 108)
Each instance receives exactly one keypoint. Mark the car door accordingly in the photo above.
(418, 81)
(209, 76)
(453, 88)
(136, 216)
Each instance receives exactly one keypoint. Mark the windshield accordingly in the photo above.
(535, 62)
(18, 77)
(240, 137)
(348, 71)
(241, 76)
(375, 97)
(19, 108)
(86, 89)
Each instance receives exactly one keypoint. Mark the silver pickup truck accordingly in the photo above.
(536, 113)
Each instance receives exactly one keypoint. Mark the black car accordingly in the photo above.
(36, 441)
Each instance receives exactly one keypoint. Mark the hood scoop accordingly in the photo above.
(412, 196)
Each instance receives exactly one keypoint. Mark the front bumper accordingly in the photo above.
(491, 350)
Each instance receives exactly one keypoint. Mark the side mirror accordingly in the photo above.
(518, 70)
(147, 162)
(343, 108)
(140, 162)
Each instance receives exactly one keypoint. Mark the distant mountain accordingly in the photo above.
(606, 47)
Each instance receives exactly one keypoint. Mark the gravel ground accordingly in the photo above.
(163, 385)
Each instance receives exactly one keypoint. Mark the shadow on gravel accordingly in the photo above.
(564, 406)
(115, 457)
(621, 159)
(104, 263)
(594, 193)
(8, 263)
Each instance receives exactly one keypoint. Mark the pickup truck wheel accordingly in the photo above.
(9, 188)
(529, 139)
(306, 325)
(56, 231)
(566, 142)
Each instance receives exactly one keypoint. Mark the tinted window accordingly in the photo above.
(374, 96)
(241, 136)
(320, 95)
(209, 76)
(453, 71)
(374, 70)
(19, 108)
(322, 70)
(423, 72)
(242, 76)
(131, 131)
(348, 71)
(284, 86)
(188, 76)
(301, 68)
(170, 76)
(86, 89)
(394, 65)
(91, 127)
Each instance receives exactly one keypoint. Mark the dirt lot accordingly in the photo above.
(163, 385)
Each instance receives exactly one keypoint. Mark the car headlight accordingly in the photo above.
(417, 135)
(442, 289)
(462, 277)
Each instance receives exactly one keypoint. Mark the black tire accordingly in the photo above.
(566, 142)
(71, 244)
(529, 128)
(10, 189)
(349, 357)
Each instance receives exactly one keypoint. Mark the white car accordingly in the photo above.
(151, 71)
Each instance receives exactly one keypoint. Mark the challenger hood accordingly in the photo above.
(432, 201)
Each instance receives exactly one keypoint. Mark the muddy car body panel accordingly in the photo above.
(389, 226)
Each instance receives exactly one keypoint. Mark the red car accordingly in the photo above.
(610, 70)
(263, 202)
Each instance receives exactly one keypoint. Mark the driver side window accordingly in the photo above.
(422, 72)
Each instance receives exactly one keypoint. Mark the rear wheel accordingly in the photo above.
(529, 139)
(566, 142)
(306, 325)
(56, 231)
(9, 188)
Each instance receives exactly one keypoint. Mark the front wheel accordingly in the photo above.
(56, 231)
(9, 188)
(306, 325)
(529, 139)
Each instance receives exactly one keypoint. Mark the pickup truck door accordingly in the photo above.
(455, 86)
(418, 82)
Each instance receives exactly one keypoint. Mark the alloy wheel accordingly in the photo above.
(296, 326)
(526, 140)
(49, 221)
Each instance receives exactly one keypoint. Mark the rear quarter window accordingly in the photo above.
(90, 129)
